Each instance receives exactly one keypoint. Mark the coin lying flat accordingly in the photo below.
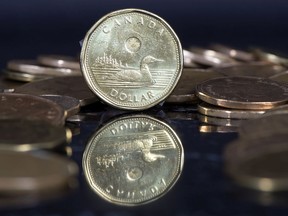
(217, 129)
(33, 173)
(70, 105)
(280, 77)
(259, 164)
(184, 91)
(277, 110)
(133, 160)
(243, 92)
(265, 126)
(234, 53)
(23, 77)
(8, 84)
(270, 57)
(226, 122)
(30, 107)
(73, 86)
(189, 60)
(31, 135)
(256, 69)
(59, 61)
(33, 67)
(131, 59)
(220, 112)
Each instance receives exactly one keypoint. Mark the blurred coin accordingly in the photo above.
(70, 105)
(220, 121)
(216, 111)
(259, 164)
(280, 77)
(30, 107)
(31, 135)
(34, 173)
(59, 61)
(8, 84)
(23, 77)
(256, 69)
(243, 92)
(33, 67)
(133, 160)
(233, 53)
(184, 91)
(189, 60)
(217, 129)
(270, 57)
(264, 127)
(74, 86)
(277, 110)
(133, 64)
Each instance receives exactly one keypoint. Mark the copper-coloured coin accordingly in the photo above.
(222, 112)
(256, 69)
(243, 92)
(184, 91)
(59, 61)
(33, 173)
(31, 135)
(30, 107)
(220, 121)
(74, 86)
(33, 67)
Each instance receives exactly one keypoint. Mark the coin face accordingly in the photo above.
(243, 92)
(133, 160)
(30, 107)
(131, 59)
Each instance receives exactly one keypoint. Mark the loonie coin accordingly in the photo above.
(256, 69)
(133, 160)
(265, 126)
(220, 112)
(31, 135)
(260, 163)
(30, 107)
(70, 105)
(33, 67)
(184, 91)
(131, 59)
(74, 86)
(243, 92)
(233, 53)
(59, 61)
(34, 172)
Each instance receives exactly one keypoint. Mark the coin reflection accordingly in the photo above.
(133, 160)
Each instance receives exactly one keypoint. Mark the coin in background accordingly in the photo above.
(133, 160)
(220, 112)
(35, 172)
(59, 61)
(131, 59)
(74, 86)
(220, 121)
(280, 77)
(243, 92)
(217, 129)
(270, 57)
(23, 77)
(30, 107)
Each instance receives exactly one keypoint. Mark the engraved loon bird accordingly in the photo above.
(142, 75)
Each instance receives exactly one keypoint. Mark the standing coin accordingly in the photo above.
(30, 107)
(131, 59)
(133, 160)
(243, 92)
(73, 86)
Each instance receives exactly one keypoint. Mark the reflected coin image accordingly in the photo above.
(131, 59)
(133, 160)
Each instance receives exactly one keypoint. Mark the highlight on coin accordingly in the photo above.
(133, 160)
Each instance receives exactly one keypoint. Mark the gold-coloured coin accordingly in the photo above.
(259, 164)
(34, 172)
(265, 126)
(221, 112)
(74, 86)
(133, 160)
(243, 92)
(33, 67)
(70, 105)
(31, 135)
(59, 61)
(255, 69)
(184, 91)
(22, 106)
(131, 59)
(217, 129)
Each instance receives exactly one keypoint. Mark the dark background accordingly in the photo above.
(33, 27)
